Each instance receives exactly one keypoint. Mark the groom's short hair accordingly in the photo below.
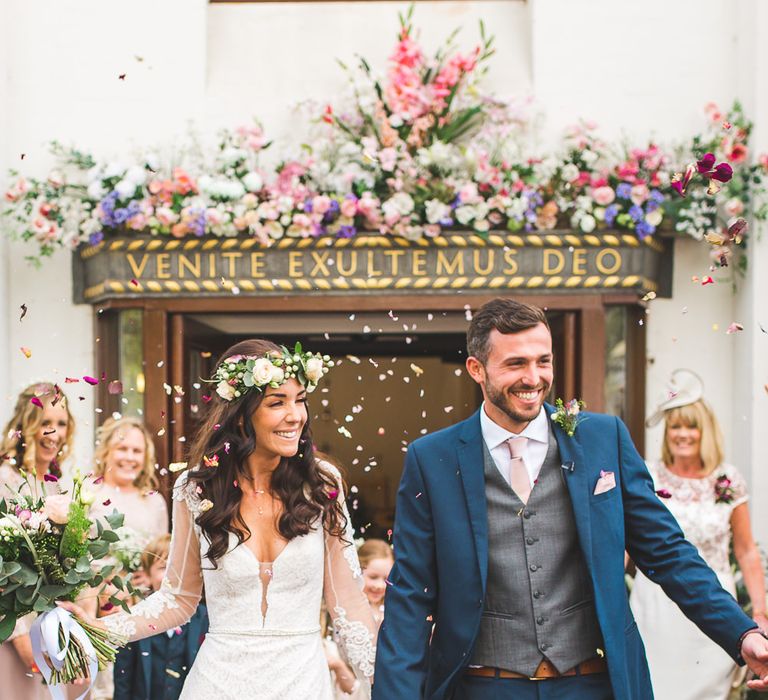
(506, 316)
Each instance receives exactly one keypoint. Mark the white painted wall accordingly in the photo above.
(636, 68)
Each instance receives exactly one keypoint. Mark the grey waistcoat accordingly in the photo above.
(538, 598)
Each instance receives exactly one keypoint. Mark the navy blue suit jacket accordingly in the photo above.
(134, 663)
(441, 559)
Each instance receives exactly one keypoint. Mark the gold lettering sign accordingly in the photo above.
(369, 264)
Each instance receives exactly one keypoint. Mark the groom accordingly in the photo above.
(510, 537)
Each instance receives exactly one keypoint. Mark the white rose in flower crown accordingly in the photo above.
(225, 390)
(56, 508)
(278, 375)
(314, 369)
(262, 371)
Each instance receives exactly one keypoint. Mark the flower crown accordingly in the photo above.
(238, 374)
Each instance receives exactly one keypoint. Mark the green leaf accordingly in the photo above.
(115, 519)
(117, 582)
(110, 536)
(83, 564)
(72, 577)
(7, 624)
(42, 604)
(26, 575)
(10, 568)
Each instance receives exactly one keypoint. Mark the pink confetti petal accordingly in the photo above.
(663, 493)
(37, 402)
(734, 328)
(51, 477)
(115, 387)
(91, 380)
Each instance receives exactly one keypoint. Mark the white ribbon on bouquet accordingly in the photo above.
(45, 640)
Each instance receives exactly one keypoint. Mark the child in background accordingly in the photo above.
(376, 560)
(155, 668)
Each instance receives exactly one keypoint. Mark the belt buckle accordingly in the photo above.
(537, 678)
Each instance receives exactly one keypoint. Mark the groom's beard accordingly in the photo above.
(503, 400)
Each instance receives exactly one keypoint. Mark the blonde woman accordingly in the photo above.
(125, 480)
(35, 442)
(709, 499)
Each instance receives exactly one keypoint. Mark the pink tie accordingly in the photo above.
(518, 473)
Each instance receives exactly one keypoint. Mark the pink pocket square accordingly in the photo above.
(606, 482)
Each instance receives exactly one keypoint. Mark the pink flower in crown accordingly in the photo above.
(603, 195)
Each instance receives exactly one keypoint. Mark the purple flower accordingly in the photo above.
(308, 206)
(197, 224)
(96, 237)
(120, 216)
(644, 229)
(347, 232)
(611, 211)
(636, 213)
(656, 197)
(624, 190)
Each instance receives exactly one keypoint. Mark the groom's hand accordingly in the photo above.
(754, 650)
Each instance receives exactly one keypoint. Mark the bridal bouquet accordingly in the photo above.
(49, 552)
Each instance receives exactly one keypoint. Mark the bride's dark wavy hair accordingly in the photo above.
(306, 490)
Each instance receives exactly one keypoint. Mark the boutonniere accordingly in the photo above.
(723, 490)
(568, 415)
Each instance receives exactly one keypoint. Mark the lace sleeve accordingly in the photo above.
(176, 600)
(353, 624)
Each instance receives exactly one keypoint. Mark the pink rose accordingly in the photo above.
(348, 207)
(734, 207)
(56, 508)
(639, 194)
(603, 195)
(321, 204)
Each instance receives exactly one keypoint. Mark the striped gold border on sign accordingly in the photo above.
(350, 284)
(365, 240)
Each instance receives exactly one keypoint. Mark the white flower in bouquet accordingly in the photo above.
(113, 169)
(56, 508)
(654, 217)
(437, 211)
(232, 155)
(127, 550)
(253, 182)
(589, 157)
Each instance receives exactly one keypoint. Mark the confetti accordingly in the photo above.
(26, 351)
(205, 505)
(134, 282)
(36, 402)
(343, 431)
(23, 308)
(706, 281)
(206, 398)
(649, 297)
(663, 493)
(211, 461)
(51, 477)
(71, 380)
(121, 76)
(177, 466)
(90, 380)
(115, 387)
(161, 432)
(107, 502)
(227, 447)
(734, 328)
(418, 371)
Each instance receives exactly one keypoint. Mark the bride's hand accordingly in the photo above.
(80, 613)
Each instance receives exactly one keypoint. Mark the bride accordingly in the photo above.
(261, 523)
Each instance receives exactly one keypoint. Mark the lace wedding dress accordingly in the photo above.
(264, 640)
(685, 664)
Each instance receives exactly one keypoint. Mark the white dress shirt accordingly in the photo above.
(495, 438)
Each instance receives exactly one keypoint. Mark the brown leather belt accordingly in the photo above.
(544, 670)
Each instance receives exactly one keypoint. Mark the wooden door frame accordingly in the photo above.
(163, 329)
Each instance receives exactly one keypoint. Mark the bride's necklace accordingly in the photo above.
(258, 494)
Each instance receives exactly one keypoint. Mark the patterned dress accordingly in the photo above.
(685, 664)
(264, 638)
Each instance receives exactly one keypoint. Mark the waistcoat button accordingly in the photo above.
(537, 594)
(529, 540)
(533, 567)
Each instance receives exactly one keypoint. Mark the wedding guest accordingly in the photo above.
(125, 481)
(155, 668)
(36, 441)
(708, 497)
(376, 560)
